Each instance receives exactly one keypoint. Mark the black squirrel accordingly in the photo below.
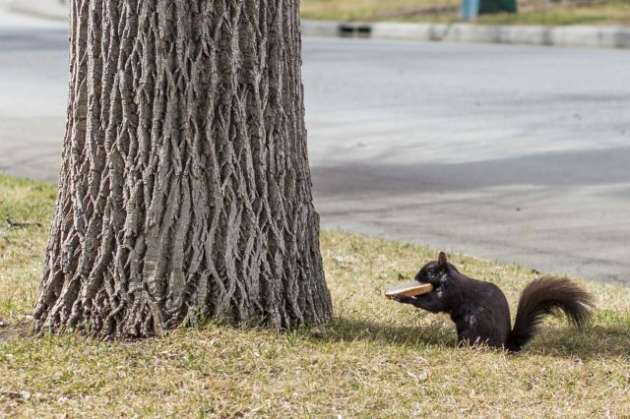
(481, 312)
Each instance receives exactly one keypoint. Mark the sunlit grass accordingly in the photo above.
(365, 9)
(532, 12)
(376, 359)
(614, 12)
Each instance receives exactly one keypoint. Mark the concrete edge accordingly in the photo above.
(562, 36)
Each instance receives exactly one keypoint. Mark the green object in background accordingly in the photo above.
(497, 6)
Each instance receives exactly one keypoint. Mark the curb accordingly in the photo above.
(561, 36)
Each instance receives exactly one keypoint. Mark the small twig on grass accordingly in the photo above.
(16, 225)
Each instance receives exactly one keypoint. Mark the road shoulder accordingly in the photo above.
(560, 36)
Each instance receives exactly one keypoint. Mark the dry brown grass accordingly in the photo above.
(534, 12)
(376, 359)
(367, 10)
(541, 12)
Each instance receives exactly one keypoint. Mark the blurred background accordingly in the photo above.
(509, 152)
(543, 12)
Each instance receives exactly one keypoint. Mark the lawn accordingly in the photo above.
(370, 10)
(376, 359)
(532, 12)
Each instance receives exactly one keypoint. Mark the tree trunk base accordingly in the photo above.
(185, 188)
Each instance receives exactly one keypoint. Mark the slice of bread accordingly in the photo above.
(408, 289)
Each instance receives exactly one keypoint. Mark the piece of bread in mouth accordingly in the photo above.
(408, 289)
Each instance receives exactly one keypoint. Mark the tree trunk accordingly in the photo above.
(185, 190)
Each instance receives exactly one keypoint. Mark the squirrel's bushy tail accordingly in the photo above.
(544, 296)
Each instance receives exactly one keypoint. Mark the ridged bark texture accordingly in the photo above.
(185, 189)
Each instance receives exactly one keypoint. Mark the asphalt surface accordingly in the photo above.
(519, 154)
(33, 92)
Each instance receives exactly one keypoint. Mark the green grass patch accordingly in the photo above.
(368, 10)
(531, 12)
(605, 13)
(376, 359)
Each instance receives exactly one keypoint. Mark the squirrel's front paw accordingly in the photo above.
(405, 300)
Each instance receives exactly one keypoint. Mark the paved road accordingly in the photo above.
(33, 91)
(519, 154)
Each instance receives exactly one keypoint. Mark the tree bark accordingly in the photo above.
(185, 190)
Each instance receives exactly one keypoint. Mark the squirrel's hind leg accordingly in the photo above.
(475, 330)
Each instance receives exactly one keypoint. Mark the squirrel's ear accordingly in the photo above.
(442, 259)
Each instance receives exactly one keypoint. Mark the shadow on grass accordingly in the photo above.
(343, 329)
(18, 330)
(594, 342)
(611, 341)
